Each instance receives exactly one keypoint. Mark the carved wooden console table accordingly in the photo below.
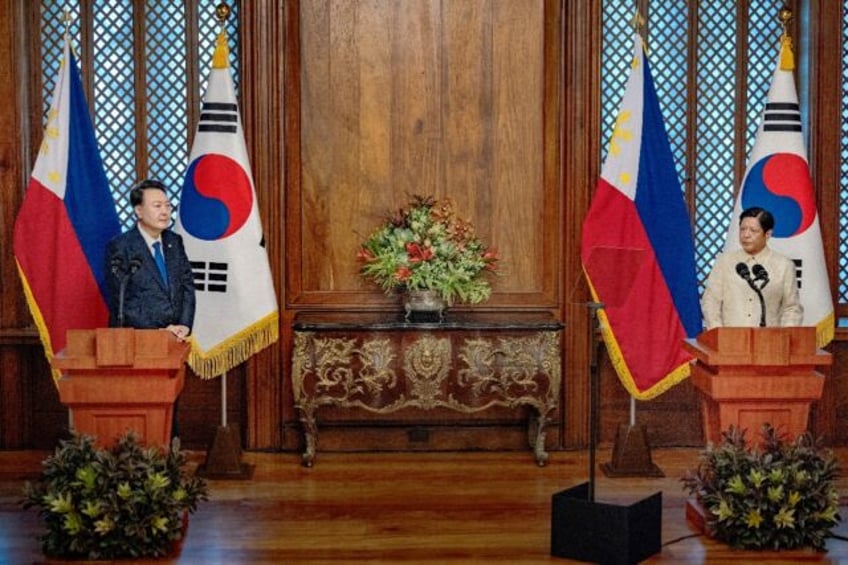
(467, 363)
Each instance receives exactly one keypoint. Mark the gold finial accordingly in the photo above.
(222, 12)
(638, 22)
(221, 56)
(787, 57)
(67, 18)
(785, 16)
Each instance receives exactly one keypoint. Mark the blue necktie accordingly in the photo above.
(160, 262)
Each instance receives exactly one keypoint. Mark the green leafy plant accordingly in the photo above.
(779, 495)
(425, 246)
(128, 501)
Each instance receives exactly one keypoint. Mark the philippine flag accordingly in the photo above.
(778, 180)
(219, 220)
(637, 250)
(67, 217)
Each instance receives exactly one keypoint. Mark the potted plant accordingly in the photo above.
(427, 247)
(778, 495)
(127, 501)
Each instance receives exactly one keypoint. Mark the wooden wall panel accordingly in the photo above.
(518, 192)
(430, 98)
(262, 378)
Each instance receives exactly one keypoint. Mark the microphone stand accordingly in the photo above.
(133, 267)
(762, 304)
(600, 532)
(744, 273)
(121, 292)
(594, 393)
(759, 292)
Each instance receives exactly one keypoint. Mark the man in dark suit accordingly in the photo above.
(155, 295)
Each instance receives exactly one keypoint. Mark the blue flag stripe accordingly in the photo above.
(88, 199)
(662, 209)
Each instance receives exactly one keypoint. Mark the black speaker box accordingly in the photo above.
(604, 533)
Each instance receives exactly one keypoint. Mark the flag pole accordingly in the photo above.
(224, 399)
(638, 23)
(66, 19)
(223, 458)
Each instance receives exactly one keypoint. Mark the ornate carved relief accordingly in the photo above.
(387, 374)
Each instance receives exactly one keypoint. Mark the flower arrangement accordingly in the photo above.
(778, 496)
(129, 501)
(425, 246)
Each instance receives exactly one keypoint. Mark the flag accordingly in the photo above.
(778, 179)
(236, 313)
(66, 218)
(637, 250)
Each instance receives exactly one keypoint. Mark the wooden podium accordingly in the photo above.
(116, 379)
(750, 376)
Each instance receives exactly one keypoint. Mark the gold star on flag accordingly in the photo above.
(635, 63)
(619, 132)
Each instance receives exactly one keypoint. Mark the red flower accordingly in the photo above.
(364, 255)
(417, 254)
(491, 258)
(403, 273)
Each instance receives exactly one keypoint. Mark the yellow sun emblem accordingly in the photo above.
(620, 132)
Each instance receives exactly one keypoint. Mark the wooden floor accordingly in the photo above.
(405, 508)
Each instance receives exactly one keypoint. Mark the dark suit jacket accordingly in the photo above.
(147, 303)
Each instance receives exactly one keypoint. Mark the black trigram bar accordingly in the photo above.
(219, 128)
(782, 106)
(781, 127)
(782, 116)
(220, 106)
(212, 116)
(798, 270)
(209, 277)
(218, 117)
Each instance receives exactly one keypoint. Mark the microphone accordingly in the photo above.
(133, 266)
(743, 271)
(116, 265)
(760, 274)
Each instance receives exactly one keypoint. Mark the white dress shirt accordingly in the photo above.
(730, 301)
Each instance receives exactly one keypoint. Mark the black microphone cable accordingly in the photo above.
(743, 271)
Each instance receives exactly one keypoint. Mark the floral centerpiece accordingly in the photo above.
(780, 495)
(125, 502)
(425, 246)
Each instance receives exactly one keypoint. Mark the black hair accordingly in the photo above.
(762, 215)
(137, 191)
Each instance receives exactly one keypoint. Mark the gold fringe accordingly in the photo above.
(825, 330)
(236, 349)
(677, 375)
(40, 324)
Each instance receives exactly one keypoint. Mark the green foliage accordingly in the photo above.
(129, 501)
(426, 247)
(780, 495)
